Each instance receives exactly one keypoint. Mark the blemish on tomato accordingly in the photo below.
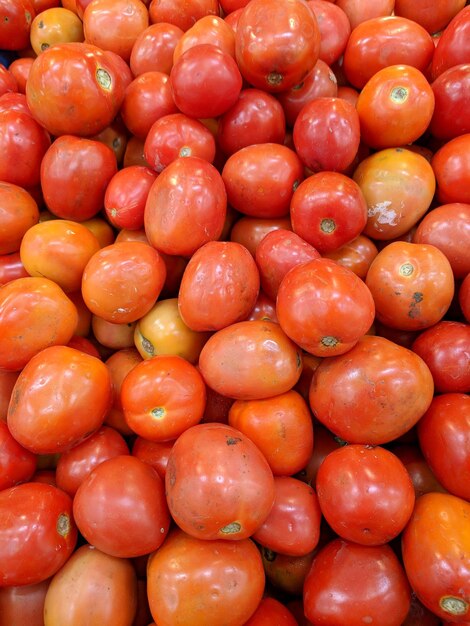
(63, 524)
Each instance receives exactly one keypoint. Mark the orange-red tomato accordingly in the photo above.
(55, 25)
(18, 212)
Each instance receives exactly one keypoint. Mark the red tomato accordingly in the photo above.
(435, 548)
(180, 12)
(208, 29)
(226, 577)
(38, 533)
(177, 135)
(276, 45)
(34, 313)
(453, 45)
(134, 274)
(17, 464)
(326, 134)
(119, 365)
(155, 453)
(420, 473)
(357, 255)
(271, 611)
(324, 307)
(451, 165)
(120, 508)
(69, 161)
(205, 81)
(153, 49)
(250, 360)
(328, 210)
(412, 285)
(334, 27)
(451, 117)
(372, 394)
(45, 414)
(186, 207)
(126, 195)
(359, 11)
(365, 494)
(367, 583)
(8, 82)
(249, 231)
(395, 107)
(23, 605)
(18, 213)
(280, 426)
(383, 41)
(293, 524)
(447, 424)
(16, 18)
(97, 586)
(433, 16)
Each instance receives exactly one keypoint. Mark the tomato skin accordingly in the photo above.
(123, 518)
(219, 286)
(464, 297)
(359, 11)
(412, 285)
(35, 313)
(270, 609)
(38, 533)
(153, 49)
(126, 195)
(23, 604)
(334, 27)
(249, 231)
(49, 379)
(18, 213)
(250, 360)
(451, 165)
(17, 464)
(100, 589)
(453, 45)
(451, 117)
(435, 548)
(55, 25)
(218, 483)
(447, 423)
(357, 255)
(364, 582)
(324, 329)
(365, 494)
(181, 13)
(227, 577)
(119, 365)
(16, 18)
(155, 453)
(208, 29)
(381, 411)
(276, 45)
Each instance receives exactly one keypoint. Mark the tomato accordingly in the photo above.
(226, 577)
(34, 313)
(359, 11)
(453, 45)
(367, 585)
(120, 508)
(126, 195)
(357, 255)
(372, 394)
(95, 80)
(58, 250)
(205, 81)
(181, 13)
(276, 45)
(163, 396)
(113, 335)
(395, 107)
(319, 82)
(334, 27)
(18, 213)
(365, 494)
(208, 29)
(154, 48)
(17, 464)
(435, 548)
(398, 186)
(326, 134)
(249, 231)
(119, 365)
(186, 207)
(155, 453)
(464, 297)
(450, 118)
(45, 414)
(38, 533)
(134, 274)
(256, 117)
(64, 167)
(412, 285)
(23, 605)
(15, 19)
(250, 360)
(14, 100)
(420, 473)
(451, 165)
(270, 609)
(177, 135)
(287, 573)
(447, 423)
(20, 161)
(433, 16)
(55, 25)
(218, 483)
(8, 82)
(99, 588)
(324, 307)
(293, 524)
(328, 210)
(280, 426)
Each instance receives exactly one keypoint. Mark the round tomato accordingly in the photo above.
(154, 48)
(271, 611)
(451, 117)
(210, 29)
(18, 213)
(357, 255)
(453, 45)
(15, 19)
(451, 165)
(180, 12)
(126, 195)
(55, 25)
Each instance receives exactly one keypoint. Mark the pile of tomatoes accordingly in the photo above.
(234, 312)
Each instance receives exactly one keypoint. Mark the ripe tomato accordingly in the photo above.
(372, 394)
(451, 165)
(334, 27)
(356, 577)
(451, 117)
(34, 313)
(154, 48)
(97, 586)
(17, 464)
(412, 285)
(453, 45)
(271, 611)
(365, 494)
(276, 45)
(208, 29)
(359, 11)
(434, 16)
(120, 508)
(357, 255)
(420, 473)
(226, 577)
(218, 483)
(126, 195)
(249, 231)
(436, 549)
(324, 307)
(119, 365)
(155, 453)
(23, 604)
(45, 414)
(250, 360)
(280, 426)
(18, 213)
(180, 12)
(16, 18)
(38, 533)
